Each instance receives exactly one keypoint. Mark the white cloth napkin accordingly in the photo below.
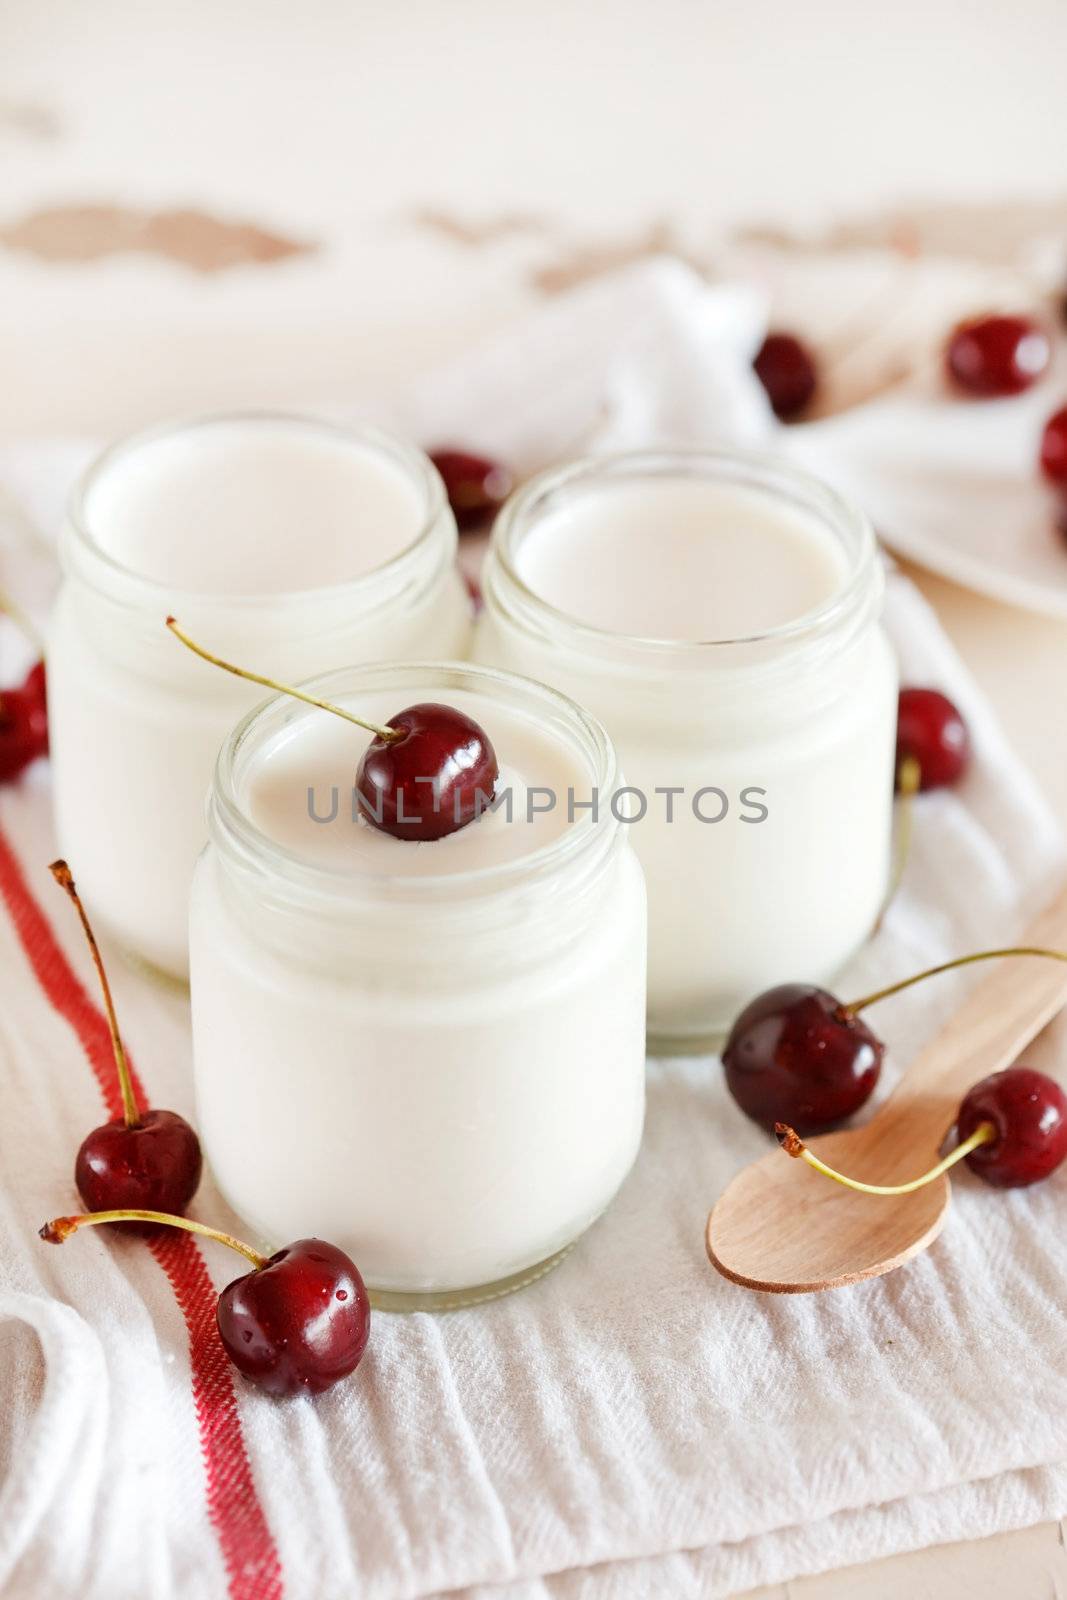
(633, 1424)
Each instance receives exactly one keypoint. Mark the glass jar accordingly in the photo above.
(769, 862)
(441, 1072)
(136, 721)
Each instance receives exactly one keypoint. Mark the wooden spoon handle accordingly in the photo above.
(1000, 1016)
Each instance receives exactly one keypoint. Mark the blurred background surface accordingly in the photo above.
(414, 173)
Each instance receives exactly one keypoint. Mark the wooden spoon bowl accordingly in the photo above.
(781, 1227)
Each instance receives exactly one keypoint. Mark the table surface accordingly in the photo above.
(205, 206)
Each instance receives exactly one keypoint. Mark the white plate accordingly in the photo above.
(954, 485)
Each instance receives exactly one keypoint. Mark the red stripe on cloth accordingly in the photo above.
(60, 983)
(248, 1550)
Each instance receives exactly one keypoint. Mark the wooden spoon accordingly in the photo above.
(782, 1228)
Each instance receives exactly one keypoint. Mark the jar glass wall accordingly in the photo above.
(438, 1065)
(765, 758)
(283, 543)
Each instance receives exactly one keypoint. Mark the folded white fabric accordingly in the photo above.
(632, 1424)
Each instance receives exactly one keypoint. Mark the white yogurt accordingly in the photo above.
(431, 1054)
(282, 543)
(245, 506)
(681, 559)
(719, 613)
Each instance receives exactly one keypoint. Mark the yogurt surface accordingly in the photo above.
(253, 507)
(681, 559)
(308, 771)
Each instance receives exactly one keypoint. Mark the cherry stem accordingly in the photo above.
(909, 782)
(855, 1006)
(61, 1228)
(28, 629)
(793, 1145)
(909, 777)
(390, 735)
(130, 1109)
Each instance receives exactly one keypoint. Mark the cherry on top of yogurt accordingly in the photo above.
(428, 772)
(435, 741)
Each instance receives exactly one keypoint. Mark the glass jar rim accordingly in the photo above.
(758, 469)
(100, 565)
(232, 829)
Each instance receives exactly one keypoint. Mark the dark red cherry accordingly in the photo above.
(787, 370)
(932, 732)
(995, 356)
(434, 781)
(298, 1324)
(36, 683)
(23, 731)
(476, 486)
(1054, 449)
(143, 1160)
(1029, 1112)
(152, 1165)
(796, 1055)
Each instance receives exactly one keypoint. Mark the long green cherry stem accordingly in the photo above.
(390, 735)
(61, 1228)
(855, 1006)
(130, 1109)
(793, 1145)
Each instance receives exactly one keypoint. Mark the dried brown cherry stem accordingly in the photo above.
(61, 1228)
